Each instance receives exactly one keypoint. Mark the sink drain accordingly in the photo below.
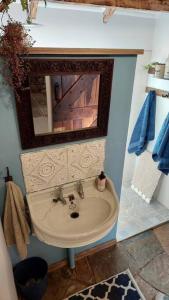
(74, 215)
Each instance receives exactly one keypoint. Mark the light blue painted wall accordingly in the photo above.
(10, 148)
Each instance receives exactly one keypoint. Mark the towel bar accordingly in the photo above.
(8, 177)
(160, 93)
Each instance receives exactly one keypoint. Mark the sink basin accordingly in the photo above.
(67, 226)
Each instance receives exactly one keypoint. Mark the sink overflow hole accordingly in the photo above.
(74, 215)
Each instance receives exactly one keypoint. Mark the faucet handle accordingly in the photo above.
(80, 189)
(80, 181)
(60, 188)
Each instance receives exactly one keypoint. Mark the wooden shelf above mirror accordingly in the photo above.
(84, 51)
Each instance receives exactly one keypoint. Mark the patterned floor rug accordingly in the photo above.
(119, 287)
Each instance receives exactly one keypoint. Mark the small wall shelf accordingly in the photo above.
(158, 84)
(165, 79)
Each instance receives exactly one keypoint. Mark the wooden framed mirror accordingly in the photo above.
(64, 100)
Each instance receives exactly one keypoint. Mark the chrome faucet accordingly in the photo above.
(80, 189)
(60, 197)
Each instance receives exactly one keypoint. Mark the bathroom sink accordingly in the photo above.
(73, 225)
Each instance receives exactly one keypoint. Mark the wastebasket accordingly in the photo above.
(31, 278)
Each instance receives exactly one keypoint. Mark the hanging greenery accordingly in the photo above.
(14, 45)
(15, 42)
(4, 4)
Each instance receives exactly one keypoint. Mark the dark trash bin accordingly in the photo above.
(31, 278)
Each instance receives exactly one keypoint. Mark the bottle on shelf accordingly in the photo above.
(159, 70)
(166, 72)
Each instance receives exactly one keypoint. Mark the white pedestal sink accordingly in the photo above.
(96, 214)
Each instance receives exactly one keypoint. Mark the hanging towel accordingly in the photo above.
(16, 229)
(161, 149)
(144, 130)
(146, 177)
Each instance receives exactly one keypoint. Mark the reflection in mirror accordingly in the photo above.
(64, 102)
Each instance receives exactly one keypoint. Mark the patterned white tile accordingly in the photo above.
(44, 169)
(53, 167)
(86, 159)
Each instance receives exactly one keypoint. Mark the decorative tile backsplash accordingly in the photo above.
(44, 169)
(52, 167)
(85, 160)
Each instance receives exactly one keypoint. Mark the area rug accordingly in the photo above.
(118, 287)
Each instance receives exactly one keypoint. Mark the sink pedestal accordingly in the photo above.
(71, 257)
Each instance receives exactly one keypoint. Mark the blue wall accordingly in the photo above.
(10, 148)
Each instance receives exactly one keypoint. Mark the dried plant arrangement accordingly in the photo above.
(15, 42)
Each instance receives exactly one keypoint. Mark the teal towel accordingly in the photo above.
(161, 149)
(144, 130)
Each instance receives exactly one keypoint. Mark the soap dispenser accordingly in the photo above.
(101, 182)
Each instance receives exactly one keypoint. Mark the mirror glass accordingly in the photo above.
(64, 102)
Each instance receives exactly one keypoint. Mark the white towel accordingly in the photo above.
(146, 177)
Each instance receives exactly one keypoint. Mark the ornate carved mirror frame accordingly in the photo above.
(52, 66)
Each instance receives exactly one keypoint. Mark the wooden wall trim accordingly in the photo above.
(156, 5)
(84, 51)
(64, 262)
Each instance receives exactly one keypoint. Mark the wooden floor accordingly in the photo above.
(147, 256)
